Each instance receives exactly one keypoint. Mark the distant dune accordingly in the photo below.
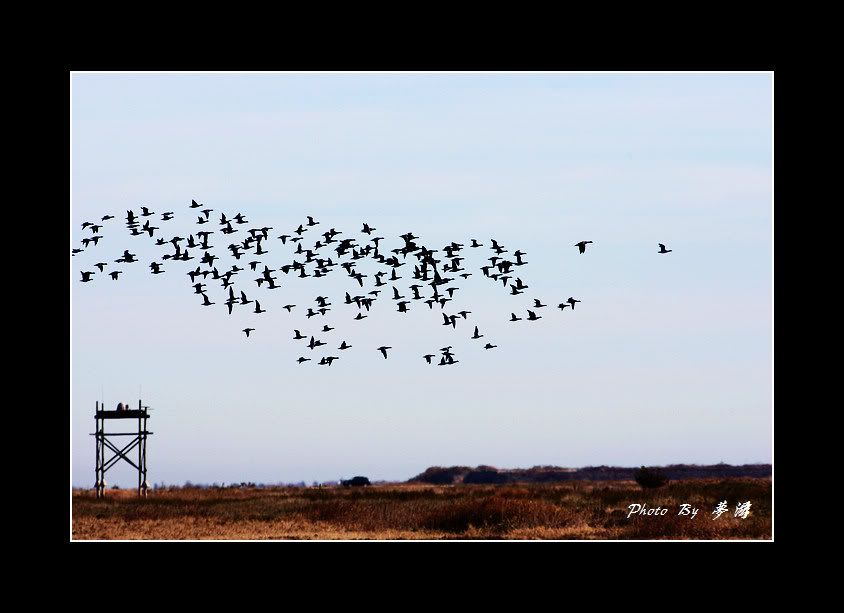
(439, 475)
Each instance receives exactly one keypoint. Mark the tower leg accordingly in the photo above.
(98, 449)
(140, 455)
(145, 485)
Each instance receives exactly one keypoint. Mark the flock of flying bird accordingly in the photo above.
(438, 273)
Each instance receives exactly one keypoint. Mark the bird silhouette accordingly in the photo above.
(476, 335)
(301, 359)
(582, 245)
(514, 318)
(533, 316)
(86, 276)
(248, 330)
(662, 249)
(428, 357)
(258, 308)
(490, 346)
(384, 351)
(345, 346)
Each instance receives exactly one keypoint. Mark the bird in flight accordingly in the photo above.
(428, 357)
(533, 316)
(384, 351)
(248, 330)
(300, 360)
(345, 346)
(315, 343)
(582, 245)
(662, 249)
(514, 318)
(490, 346)
(86, 276)
(572, 301)
(476, 335)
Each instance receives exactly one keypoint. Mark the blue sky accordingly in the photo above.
(667, 359)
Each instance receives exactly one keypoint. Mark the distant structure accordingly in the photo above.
(103, 441)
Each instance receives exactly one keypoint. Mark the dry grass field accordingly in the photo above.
(569, 510)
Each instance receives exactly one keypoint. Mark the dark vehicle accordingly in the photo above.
(355, 482)
(650, 477)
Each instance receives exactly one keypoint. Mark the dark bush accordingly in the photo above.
(356, 482)
(650, 477)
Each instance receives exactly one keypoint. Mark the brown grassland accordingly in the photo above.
(569, 511)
